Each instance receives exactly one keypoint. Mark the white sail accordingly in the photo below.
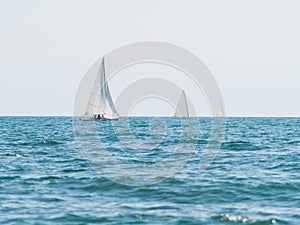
(100, 100)
(182, 106)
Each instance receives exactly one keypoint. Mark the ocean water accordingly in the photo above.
(254, 179)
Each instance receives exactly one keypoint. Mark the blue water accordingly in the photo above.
(254, 179)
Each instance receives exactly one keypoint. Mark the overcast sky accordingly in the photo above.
(252, 47)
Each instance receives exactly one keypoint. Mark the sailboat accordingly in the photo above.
(100, 105)
(182, 109)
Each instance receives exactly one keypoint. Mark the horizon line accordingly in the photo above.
(208, 116)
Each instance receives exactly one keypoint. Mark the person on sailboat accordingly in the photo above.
(98, 117)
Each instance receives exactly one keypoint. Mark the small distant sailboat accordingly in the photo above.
(100, 105)
(182, 109)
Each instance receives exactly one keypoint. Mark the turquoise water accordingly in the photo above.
(255, 178)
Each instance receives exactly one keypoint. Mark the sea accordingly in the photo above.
(47, 175)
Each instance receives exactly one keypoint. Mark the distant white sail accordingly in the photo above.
(100, 100)
(182, 106)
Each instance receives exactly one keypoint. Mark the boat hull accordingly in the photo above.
(101, 119)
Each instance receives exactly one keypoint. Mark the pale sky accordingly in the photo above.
(252, 47)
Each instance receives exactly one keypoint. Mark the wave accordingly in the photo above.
(293, 142)
(231, 218)
(73, 218)
(50, 142)
(35, 143)
(234, 219)
(242, 145)
(16, 155)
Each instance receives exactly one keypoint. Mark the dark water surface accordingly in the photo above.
(255, 178)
